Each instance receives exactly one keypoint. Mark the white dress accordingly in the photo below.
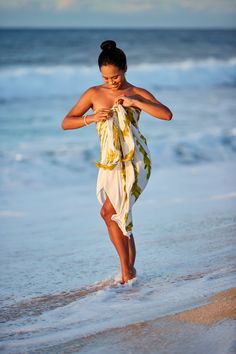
(125, 163)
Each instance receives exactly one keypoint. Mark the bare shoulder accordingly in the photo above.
(87, 97)
(93, 90)
(89, 92)
(84, 103)
(144, 93)
(96, 88)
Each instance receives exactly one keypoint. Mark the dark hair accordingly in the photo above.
(111, 55)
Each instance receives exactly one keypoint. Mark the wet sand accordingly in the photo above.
(222, 306)
(209, 328)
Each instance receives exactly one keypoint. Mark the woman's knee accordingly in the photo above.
(106, 213)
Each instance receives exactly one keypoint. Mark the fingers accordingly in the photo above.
(106, 114)
(120, 99)
(102, 110)
(103, 114)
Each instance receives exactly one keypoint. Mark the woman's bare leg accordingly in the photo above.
(119, 240)
(132, 250)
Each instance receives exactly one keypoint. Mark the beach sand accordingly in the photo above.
(208, 328)
(223, 305)
(205, 329)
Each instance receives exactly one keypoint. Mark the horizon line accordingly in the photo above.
(110, 28)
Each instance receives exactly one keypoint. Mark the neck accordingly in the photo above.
(124, 86)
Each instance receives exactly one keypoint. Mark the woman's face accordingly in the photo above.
(112, 76)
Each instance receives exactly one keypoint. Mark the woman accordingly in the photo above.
(125, 164)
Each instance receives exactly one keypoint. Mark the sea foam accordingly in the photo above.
(64, 80)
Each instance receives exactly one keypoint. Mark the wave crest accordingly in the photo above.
(47, 81)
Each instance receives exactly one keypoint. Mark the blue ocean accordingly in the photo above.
(57, 263)
(43, 73)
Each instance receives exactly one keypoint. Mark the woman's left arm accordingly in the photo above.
(145, 101)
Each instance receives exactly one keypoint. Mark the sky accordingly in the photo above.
(118, 13)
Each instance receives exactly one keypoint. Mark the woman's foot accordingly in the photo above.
(129, 275)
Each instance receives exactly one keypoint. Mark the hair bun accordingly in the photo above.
(108, 45)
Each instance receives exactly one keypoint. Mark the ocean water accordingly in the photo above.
(59, 268)
(43, 73)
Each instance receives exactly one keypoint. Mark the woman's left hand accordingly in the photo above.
(126, 101)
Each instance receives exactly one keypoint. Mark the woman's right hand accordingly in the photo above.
(102, 114)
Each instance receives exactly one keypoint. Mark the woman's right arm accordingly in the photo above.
(74, 119)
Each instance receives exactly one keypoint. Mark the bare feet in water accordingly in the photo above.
(128, 276)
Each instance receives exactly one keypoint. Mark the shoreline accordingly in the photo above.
(221, 306)
(185, 242)
(208, 326)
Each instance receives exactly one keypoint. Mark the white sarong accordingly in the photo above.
(125, 163)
